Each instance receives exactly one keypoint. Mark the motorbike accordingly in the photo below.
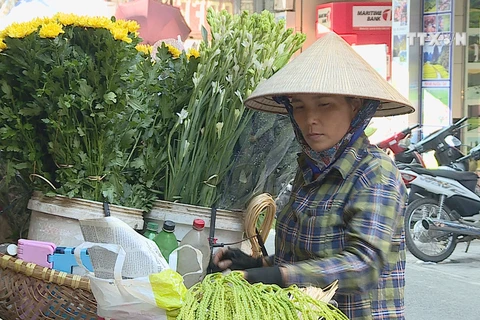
(445, 145)
(445, 210)
(398, 145)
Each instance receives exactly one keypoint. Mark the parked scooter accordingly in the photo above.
(398, 145)
(446, 210)
(445, 145)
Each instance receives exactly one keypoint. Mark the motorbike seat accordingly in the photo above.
(466, 178)
(401, 165)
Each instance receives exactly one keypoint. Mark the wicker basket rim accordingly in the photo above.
(45, 274)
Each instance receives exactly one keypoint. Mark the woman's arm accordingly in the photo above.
(374, 223)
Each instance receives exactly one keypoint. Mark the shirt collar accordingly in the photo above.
(351, 156)
(343, 164)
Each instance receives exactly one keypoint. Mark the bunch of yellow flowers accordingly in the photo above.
(78, 97)
(51, 27)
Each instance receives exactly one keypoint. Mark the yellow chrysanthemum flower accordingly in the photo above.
(101, 22)
(175, 52)
(67, 19)
(38, 22)
(85, 21)
(145, 48)
(193, 52)
(120, 34)
(20, 30)
(131, 25)
(51, 30)
(3, 45)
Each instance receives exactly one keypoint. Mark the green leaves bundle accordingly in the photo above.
(244, 50)
(165, 86)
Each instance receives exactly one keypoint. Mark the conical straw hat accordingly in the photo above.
(329, 67)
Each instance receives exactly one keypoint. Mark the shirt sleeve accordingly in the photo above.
(372, 215)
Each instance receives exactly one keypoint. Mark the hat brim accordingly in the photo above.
(329, 67)
(268, 104)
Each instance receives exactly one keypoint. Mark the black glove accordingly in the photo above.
(265, 275)
(241, 260)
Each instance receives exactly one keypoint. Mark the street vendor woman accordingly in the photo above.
(345, 217)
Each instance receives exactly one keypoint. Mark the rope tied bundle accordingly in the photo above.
(260, 204)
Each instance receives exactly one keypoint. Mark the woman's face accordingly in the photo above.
(323, 120)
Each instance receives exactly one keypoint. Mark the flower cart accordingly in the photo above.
(28, 291)
(89, 116)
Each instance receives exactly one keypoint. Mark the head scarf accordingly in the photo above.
(319, 161)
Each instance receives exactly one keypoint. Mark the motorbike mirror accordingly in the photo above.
(453, 141)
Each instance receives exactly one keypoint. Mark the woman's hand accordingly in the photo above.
(253, 269)
(235, 259)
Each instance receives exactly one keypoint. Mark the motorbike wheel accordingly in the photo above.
(428, 245)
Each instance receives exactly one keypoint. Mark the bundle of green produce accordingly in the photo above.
(243, 50)
(220, 297)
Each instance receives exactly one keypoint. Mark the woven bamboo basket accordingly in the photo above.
(29, 291)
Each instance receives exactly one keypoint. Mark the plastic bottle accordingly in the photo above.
(197, 237)
(152, 230)
(166, 239)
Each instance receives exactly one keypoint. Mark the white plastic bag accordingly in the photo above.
(141, 298)
(142, 258)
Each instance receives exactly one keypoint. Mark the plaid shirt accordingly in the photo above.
(348, 227)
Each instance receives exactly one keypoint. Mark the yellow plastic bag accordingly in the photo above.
(168, 289)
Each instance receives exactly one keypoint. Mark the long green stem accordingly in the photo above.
(232, 63)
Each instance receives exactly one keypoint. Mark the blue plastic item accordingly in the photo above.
(63, 259)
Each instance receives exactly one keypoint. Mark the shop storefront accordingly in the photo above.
(436, 64)
(441, 74)
(423, 58)
(367, 27)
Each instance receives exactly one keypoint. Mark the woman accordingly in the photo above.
(344, 220)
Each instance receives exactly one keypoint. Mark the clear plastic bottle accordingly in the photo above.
(197, 237)
(166, 239)
(152, 230)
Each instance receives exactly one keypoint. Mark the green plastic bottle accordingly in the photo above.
(152, 230)
(166, 239)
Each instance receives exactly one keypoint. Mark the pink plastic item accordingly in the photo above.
(35, 251)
